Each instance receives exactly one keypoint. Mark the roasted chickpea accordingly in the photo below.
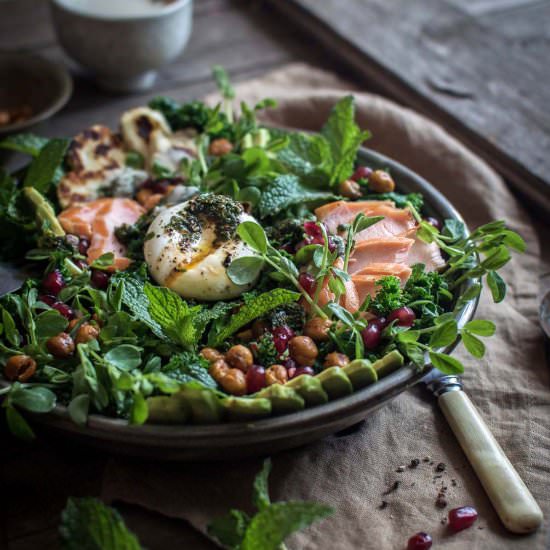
(317, 329)
(336, 359)
(303, 350)
(72, 324)
(276, 374)
(239, 357)
(381, 182)
(61, 346)
(211, 354)
(220, 147)
(234, 382)
(218, 369)
(19, 367)
(85, 333)
(143, 195)
(350, 189)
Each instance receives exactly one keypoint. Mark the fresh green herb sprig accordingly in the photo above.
(246, 269)
(270, 525)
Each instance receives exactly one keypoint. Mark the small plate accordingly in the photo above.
(30, 80)
(231, 440)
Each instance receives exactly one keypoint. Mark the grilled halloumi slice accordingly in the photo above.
(97, 160)
(146, 131)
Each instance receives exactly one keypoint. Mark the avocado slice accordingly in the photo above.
(361, 373)
(389, 363)
(164, 409)
(283, 399)
(335, 382)
(242, 408)
(310, 388)
(205, 405)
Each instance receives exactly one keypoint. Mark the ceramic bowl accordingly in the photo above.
(232, 440)
(124, 52)
(30, 80)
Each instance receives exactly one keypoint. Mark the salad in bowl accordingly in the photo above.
(196, 267)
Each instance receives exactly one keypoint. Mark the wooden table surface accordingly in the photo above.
(250, 38)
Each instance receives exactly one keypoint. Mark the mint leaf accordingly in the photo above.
(133, 296)
(271, 526)
(308, 156)
(260, 490)
(286, 190)
(229, 529)
(254, 308)
(43, 170)
(344, 138)
(29, 144)
(87, 524)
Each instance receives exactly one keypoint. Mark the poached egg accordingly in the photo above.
(189, 246)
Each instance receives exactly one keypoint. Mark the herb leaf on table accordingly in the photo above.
(271, 525)
(87, 524)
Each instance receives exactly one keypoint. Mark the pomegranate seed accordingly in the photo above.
(255, 379)
(160, 186)
(47, 299)
(81, 264)
(291, 373)
(362, 173)
(405, 316)
(462, 518)
(100, 279)
(53, 282)
(313, 230)
(307, 282)
(371, 335)
(64, 309)
(83, 246)
(380, 322)
(331, 244)
(420, 541)
(435, 222)
(281, 336)
(304, 370)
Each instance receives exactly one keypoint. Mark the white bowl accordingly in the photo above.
(124, 51)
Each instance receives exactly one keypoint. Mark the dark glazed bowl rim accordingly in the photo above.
(217, 436)
(57, 73)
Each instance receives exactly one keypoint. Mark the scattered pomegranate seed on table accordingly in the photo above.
(420, 541)
(462, 518)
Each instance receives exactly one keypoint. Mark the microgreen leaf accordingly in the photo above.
(253, 235)
(78, 409)
(474, 345)
(496, 285)
(124, 357)
(445, 363)
(245, 270)
(481, 327)
(17, 425)
(260, 490)
(444, 335)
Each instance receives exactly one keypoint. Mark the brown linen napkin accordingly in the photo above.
(510, 386)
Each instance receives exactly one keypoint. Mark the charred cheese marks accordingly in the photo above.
(146, 131)
(96, 158)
